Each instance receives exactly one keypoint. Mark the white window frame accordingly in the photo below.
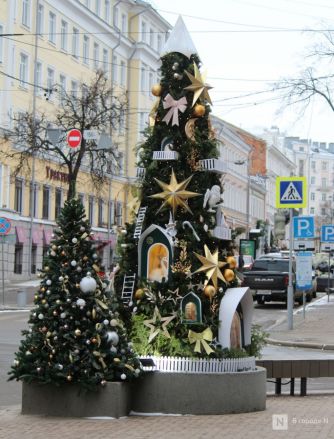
(62, 86)
(52, 27)
(96, 55)
(64, 36)
(24, 70)
(75, 42)
(116, 17)
(151, 38)
(50, 81)
(123, 74)
(98, 7)
(40, 20)
(143, 30)
(39, 78)
(74, 88)
(124, 23)
(114, 69)
(85, 50)
(105, 60)
(107, 11)
(26, 6)
(143, 87)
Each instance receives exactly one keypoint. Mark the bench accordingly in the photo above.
(292, 369)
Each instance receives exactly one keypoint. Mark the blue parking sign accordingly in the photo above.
(303, 227)
(327, 233)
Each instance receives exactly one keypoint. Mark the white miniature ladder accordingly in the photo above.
(140, 221)
(128, 287)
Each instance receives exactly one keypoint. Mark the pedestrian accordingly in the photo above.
(241, 262)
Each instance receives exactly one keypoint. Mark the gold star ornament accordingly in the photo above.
(158, 324)
(174, 193)
(198, 86)
(211, 265)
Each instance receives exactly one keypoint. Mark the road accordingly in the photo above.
(11, 324)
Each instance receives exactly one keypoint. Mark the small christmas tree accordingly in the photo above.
(76, 334)
(176, 259)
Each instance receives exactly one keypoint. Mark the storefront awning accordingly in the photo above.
(47, 235)
(37, 236)
(21, 235)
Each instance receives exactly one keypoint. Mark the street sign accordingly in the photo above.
(303, 227)
(90, 135)
(5, 225)
(291, 192)
(74, 138)
(304, 244)
(304, 270)
(327, 233)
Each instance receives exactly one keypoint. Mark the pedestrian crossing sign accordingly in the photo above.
(291, 192)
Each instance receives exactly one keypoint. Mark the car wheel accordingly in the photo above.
(314, 294)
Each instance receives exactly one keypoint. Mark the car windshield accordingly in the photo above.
(271, 265)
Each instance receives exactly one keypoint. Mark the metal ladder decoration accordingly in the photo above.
(140, 221)
(128, 287)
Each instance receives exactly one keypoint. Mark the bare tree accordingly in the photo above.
(92, 107)
(313, 83)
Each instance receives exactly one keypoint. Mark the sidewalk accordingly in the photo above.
(316, 330)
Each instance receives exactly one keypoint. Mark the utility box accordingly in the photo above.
(21, 298)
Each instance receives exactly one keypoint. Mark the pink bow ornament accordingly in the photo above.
(174, 107)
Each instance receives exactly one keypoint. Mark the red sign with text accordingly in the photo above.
(74, 138)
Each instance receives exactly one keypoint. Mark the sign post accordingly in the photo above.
(290, 193)
(327, 238)
(5, 226)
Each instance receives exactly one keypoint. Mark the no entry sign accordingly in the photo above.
(5, 225)
(74, 138)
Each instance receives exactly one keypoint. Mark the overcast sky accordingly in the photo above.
(246, 45)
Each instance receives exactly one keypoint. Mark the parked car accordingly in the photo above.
(269, 279)
(248, 262)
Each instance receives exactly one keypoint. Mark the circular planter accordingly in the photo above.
(200, 393)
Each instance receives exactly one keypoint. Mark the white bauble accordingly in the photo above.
(63, 315)
(74, 240)
(88, 284)
(73, 263)
(48, 282)
(123, 376)
(113, 349)
(113, 338)
(106, 322)
(40, 316)
(60, 278)
(81, 303)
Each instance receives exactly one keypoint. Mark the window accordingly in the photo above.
(151, 82)
(159, 43)
(1, 44)
(111, 213)
(18, 201)
(62, 91)
(312, 211)
(123, 73)
(301, 148)
(323, 196)
(58, 198)
(74, 89)
(23, 74)
(100, 213)
(114, 68)
(143, 31)
(124, 24)
(81, 198)
(87, 3)
(33, 258)
(96, 55)
(75, 42)
(98, 7)
(91, 209)
(52, 28)
(301, 167)
(116, 17)
(105, 60)
(18, 258)
(107, 10)
(50, 80)
(63, 35)
(119, 213)
(85, 51)
(38, 79)
(313, 165)
(143, 79)
(151, 38)
(323, 211)
(312, 180)
(35, 197)
(324, 166)
(324, 182)
(26, 13)
(312, 196)
(121, 126)
(40, 19)
(46, 202)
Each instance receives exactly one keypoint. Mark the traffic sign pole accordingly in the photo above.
(290, 286)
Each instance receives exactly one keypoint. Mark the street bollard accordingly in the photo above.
(21, 299)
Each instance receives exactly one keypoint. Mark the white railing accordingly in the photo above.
(200, 365)
(165, 155)
(213, 165)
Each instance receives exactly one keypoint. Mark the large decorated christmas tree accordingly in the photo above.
(75, 331)
(176, 257)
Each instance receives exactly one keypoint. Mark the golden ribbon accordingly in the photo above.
(153, 113)
(199, 338)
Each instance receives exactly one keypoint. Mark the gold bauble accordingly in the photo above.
(77, 332)
(229, 275)
(94, 340)
(69, 378)
(156, 90)
(209, 291)
(85, 258)
(199, 110)
(46, 268)
(43, 301)
(139, 294)
(231, 261)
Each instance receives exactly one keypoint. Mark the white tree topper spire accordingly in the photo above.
(179, 40)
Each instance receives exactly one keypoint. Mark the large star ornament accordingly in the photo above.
(211, 265)
(198, 86)
(174, 193)
(158, 324)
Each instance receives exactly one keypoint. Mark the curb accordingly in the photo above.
(323, 347)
